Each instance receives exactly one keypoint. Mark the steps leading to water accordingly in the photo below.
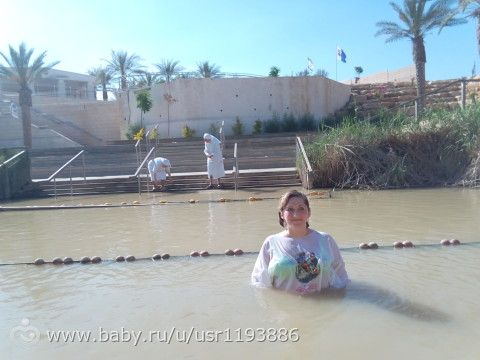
(263, 162)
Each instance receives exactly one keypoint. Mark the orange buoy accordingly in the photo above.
(67, 260)
(229, 252)
(39, 262)
(373, 245)
(96, 259)
(157, 257)
(204, 253)
(363, 246)
(407, 244)
(119, 258)
(454, 241)
(165, 256)
(445, 242)
(194, 254)
(130, 258)
(238, 252)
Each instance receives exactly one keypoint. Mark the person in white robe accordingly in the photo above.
(158, 169)
(215, 168)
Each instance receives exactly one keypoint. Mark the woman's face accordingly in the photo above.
(296, 213)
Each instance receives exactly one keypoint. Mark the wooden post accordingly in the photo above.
(463, 93)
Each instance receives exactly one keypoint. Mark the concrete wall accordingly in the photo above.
(102, 119)
(200, 102)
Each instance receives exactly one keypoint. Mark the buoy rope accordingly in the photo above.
(136, 203)
(236, 252)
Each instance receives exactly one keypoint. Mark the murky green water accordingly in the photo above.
(419, 303)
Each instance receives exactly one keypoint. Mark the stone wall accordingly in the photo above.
(368, 99)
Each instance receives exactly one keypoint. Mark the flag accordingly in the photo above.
(341, 55)
(310, 65)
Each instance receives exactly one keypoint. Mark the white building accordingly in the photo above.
(58, 83)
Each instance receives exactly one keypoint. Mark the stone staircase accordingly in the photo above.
(43, 135)
(263, 162)
(368, 99)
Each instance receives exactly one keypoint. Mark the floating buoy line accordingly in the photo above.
(230, 253)
(137, 203)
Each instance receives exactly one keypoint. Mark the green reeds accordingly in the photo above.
(395, 150)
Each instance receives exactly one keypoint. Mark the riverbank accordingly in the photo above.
(440, 148)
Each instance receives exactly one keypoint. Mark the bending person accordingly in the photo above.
(158, 169)
(299, 259)
(215, 168)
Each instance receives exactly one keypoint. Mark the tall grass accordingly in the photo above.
(395, 150)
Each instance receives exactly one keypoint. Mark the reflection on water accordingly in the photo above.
(408, 303)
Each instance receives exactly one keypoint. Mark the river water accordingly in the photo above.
(419, 303)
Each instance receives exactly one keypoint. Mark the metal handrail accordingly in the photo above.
(64, 166)
(147, 135)
(12, 158)
(137, 173)
(236, 170)
(138, 151)
(221, 134)
(69, 162)
(306, 176)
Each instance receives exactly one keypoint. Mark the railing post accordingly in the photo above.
(416, 109)
(55, 187)
(83, 164)
(463, 93)
(71, 183)
(235, 155)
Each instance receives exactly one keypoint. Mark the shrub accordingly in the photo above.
(153, 134)
(257, 127)
(237, 128)
(307, 122)
(272, 125)
(214, 130)
(187, 132)
(139, 134)
(132, 130)
(288, 123)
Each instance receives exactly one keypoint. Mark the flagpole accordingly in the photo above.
(336, 64)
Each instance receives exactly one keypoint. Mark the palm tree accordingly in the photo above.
(123, 65)
(169, 69)
(20, 70)
(103, 76)
(145, 78)
(205, 70)
(416, 21)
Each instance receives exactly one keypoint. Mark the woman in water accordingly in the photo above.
(299, 259)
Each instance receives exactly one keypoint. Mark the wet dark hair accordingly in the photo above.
(284, 201)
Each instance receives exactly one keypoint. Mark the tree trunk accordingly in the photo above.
(420, 59)
(105, 93)
(25, 100)
(477, 15)
(124, 81)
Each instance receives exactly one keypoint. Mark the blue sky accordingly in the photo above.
(247, 36)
